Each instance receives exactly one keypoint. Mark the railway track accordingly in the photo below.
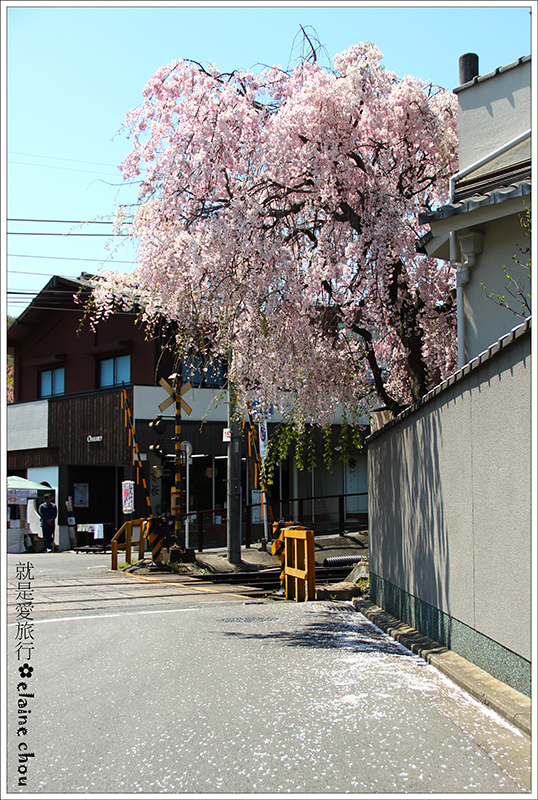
(88, 591)
(271, 577)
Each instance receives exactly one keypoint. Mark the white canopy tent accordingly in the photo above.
(23, 497)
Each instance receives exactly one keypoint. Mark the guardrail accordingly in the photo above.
(128, 544)
(331, 514)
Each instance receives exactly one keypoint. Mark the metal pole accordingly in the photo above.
(234, 484)
(177, 452)
(187, 518)
(264, 520)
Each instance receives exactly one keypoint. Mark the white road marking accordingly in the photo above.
(104, 616)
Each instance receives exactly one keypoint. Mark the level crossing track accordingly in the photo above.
(126, 592)
(105, 591)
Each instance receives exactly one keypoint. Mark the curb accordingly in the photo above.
(512, 705)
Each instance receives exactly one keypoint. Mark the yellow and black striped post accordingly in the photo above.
(155, 539)
(137, 462)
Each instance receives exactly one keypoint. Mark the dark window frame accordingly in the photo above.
(53, 392)
(116, 380)
(202, 374)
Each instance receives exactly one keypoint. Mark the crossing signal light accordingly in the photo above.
(157, 449)
(157, 423)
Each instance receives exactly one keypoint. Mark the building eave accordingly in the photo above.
(520, 189)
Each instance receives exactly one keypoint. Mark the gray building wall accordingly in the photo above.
(493, 110)
(450, 512)
(485, 321)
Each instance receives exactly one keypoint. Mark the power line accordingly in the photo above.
(37, 233)
(66, 221)
(64, 258)
(38, 307)
(57, 158)
(57, 292)
(62, 222)
(23, 293)
(37, 274)
(53, 166)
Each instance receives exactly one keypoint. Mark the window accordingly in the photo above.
(51, 382)
(114, 371)
(212, 374)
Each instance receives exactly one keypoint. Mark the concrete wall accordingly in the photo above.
(493, 111)
(450, 513)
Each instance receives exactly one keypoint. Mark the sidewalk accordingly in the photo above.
(510, 704)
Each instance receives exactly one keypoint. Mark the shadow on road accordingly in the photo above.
(354, 635)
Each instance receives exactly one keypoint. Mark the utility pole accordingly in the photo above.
(234, 483)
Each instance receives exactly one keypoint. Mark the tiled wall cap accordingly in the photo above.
(514, 334)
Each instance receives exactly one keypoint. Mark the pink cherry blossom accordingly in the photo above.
(278, 222)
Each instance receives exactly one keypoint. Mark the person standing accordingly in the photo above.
(48, 513)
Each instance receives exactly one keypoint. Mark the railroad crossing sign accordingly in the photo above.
(172, 399)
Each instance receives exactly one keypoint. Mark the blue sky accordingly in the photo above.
(72, 71)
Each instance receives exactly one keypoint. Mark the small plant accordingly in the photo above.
(125, 564)
(178, 566)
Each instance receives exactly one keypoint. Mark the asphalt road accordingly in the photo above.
(142, 688)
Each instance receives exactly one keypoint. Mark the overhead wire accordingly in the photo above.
(40, 233)
(66, 221)
(64, 169)
(58, 158)
(115, 167)
(39, 307)
(62, 258)
(20, 297)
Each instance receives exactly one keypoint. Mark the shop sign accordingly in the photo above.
(256, 509)
(127, 496)
(18, 497)
(263, 439)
